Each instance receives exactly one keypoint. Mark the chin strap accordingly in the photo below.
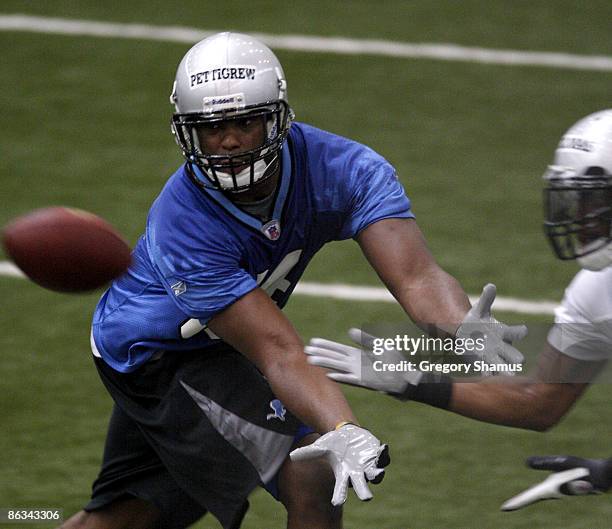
(597, 260)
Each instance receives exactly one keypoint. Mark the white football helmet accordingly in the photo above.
(227, 76)
(578, 194)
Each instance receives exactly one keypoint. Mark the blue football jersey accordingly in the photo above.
(200, 252)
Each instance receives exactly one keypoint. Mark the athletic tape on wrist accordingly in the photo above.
(433, 389)
(344, 423)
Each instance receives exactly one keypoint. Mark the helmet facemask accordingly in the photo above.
(223, 171)
(578, 213)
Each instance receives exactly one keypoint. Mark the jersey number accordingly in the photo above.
(276, 280)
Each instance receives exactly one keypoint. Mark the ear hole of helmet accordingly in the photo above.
(595, 170)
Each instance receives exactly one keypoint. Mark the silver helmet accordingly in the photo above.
(229, 76)
(578, 193)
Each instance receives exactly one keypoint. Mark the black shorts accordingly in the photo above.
(193, 432)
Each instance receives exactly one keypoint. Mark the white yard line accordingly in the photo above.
(364, 293)
(342, 46)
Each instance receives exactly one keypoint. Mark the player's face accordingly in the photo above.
(578, 219)
(591, 209)
(233, 137)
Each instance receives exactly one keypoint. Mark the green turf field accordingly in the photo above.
(85, 124)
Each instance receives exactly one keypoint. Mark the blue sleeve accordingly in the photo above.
(375, 194)
(196, 257)
(208, 291)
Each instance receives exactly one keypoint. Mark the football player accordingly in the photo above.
(578, 223)
(212, 389)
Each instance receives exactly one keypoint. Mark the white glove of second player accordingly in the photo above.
(354, 366)
(479, 323)
(355, 455)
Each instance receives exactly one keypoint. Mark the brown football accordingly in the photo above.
(65, 249)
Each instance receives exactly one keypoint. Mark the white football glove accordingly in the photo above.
(573, 476)
(550, 489)
(354, 365)
(479, 323)
(354, 455)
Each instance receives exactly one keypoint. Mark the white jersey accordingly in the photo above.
(583, 321)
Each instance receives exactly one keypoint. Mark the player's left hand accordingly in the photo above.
(355, 455)
(573, 476)
(498, 337)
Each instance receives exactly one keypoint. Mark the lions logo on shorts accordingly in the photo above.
(278, 409)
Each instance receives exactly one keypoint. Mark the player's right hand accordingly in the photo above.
(355, 455)
(600, 470)
(573, 476)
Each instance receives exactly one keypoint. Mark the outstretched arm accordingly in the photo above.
(397, 250)
(256, 327)
(536, 403)
(433, 299)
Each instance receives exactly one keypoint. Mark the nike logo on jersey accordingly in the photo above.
(179, 288)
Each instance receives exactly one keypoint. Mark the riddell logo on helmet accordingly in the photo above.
(578, 144)
(239, 72)
(218, 103)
